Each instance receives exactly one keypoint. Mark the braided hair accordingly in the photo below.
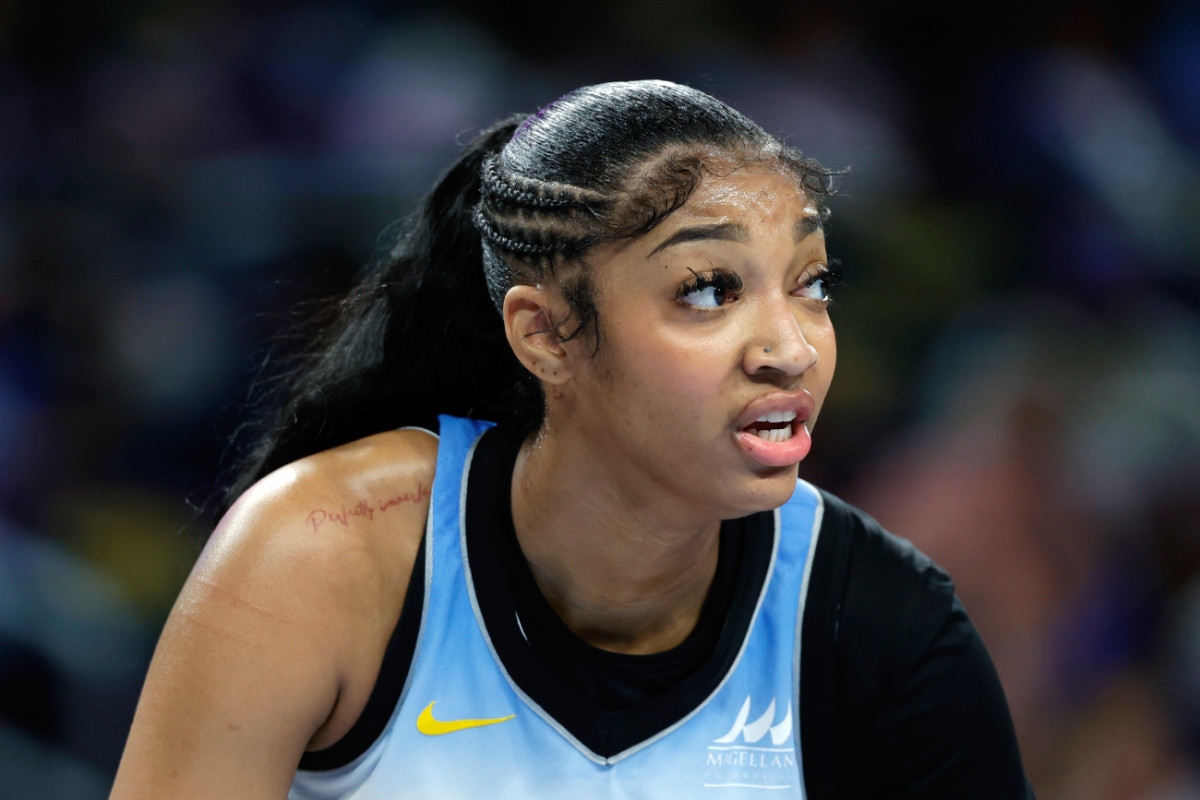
(419, 333)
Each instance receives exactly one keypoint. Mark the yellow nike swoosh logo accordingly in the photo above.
(429, 726)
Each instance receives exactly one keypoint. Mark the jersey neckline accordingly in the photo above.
(603, 734)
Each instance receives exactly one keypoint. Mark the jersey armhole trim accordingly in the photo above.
(395, 673)
(422, 429)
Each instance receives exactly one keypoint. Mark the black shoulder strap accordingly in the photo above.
(819, 633)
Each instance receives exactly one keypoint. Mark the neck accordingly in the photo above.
(624, 569)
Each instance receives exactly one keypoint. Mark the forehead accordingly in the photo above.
(751, 203)
(755, 206)
(765, 194)
(760, 206)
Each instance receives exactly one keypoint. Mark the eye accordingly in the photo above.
(709, 290)
(817, 284)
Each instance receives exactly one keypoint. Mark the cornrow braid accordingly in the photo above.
(531, 228)
(494, 235)
(505, 187)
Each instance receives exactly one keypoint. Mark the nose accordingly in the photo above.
(778, 344)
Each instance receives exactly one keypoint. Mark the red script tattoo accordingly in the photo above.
(363, 508)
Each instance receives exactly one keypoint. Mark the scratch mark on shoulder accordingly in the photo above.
(235, 599)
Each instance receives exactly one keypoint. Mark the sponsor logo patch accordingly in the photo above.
(758, 753)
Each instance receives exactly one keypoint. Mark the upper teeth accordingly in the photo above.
(777, 416)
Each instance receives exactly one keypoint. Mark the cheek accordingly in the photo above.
(823, 339)
(827, 349)
(680, 373)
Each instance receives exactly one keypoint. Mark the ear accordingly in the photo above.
(529, 316)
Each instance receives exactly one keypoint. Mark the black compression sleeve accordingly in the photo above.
(942, 728)
(918, 710)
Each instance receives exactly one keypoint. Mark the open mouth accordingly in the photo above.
(775, 426)
(779, 437)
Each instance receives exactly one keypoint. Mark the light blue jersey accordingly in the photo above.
(464, 729)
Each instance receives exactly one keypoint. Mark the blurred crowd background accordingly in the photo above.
(1019, 367)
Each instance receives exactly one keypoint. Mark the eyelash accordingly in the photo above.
(729, 284)
(720, 280)
(830, 274)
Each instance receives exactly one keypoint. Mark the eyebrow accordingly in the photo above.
(805, 226)
(731, 231)
(728, 231)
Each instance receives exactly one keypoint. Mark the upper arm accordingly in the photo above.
(276, 638)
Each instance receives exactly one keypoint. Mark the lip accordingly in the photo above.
(777, 454)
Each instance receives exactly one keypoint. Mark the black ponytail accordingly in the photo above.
(416, 336)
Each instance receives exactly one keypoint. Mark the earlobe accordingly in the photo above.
(530, 313)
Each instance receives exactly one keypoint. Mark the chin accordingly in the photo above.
(768, 489)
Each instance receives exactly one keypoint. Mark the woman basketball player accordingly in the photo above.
(621, 589)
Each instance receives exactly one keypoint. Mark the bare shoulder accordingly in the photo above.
(337, 497)
(346, 521)
(325, 546)
(276, 640)
(329, 540)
